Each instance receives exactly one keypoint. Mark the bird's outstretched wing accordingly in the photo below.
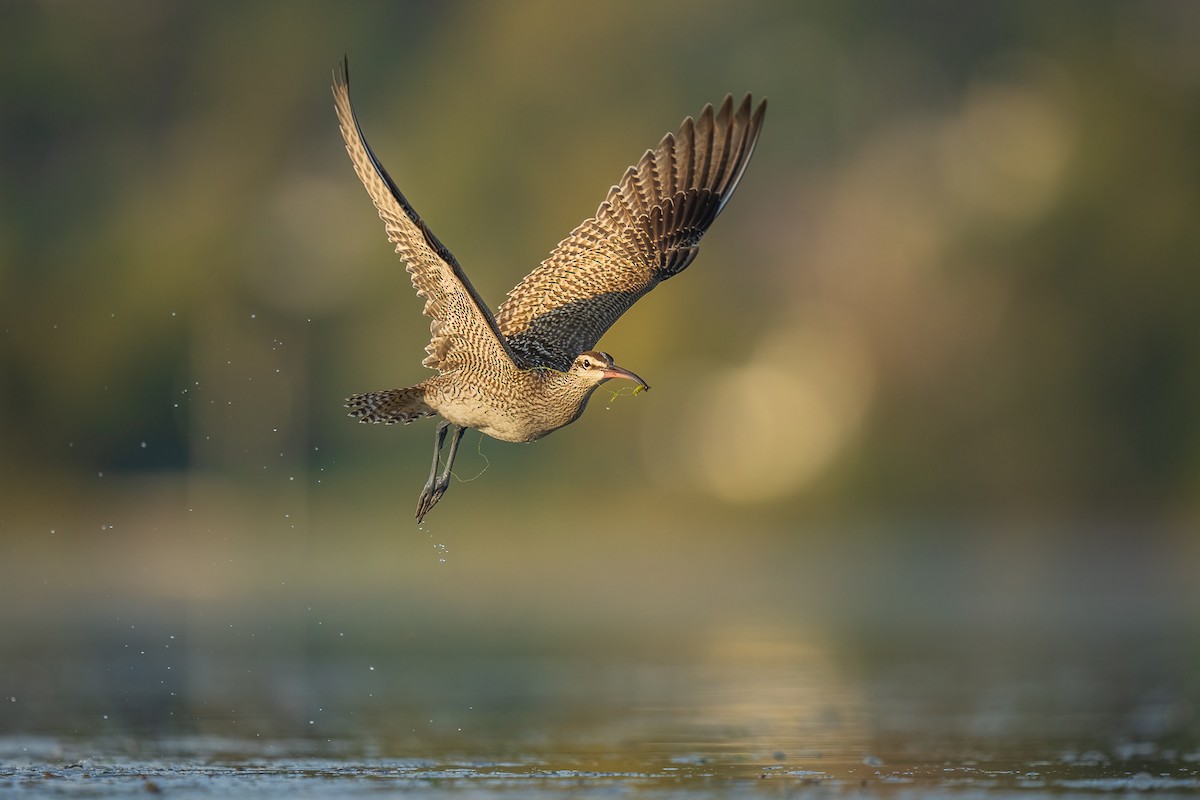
(463, 330)
(647, 230)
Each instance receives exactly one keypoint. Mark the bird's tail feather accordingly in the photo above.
(390, 406)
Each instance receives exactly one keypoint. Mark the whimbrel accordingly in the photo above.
(529, 369)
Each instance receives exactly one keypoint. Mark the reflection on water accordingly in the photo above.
(691, 662)
(167, 706)
(750, 697)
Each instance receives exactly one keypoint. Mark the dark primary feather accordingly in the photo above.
(463, 330)
(647, 230)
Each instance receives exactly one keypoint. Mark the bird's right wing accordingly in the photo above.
(647, 230)
(463, 330)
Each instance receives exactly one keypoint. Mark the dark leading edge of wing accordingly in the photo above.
(647, 230)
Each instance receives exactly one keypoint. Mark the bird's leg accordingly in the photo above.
(425, 501)
(436, 485)
(430, 499)
(444, 482)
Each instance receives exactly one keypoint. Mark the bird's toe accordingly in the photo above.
(429, 498)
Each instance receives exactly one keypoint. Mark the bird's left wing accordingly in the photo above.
(463, 330)
(647, 230)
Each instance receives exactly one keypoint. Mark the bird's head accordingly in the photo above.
(595, 367)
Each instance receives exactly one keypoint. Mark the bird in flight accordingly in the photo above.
(530, 368)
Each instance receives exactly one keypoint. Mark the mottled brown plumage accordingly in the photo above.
(647, 230)
(531, 369)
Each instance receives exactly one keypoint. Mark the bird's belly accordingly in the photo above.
(503, 427)
(521, 414)
(499, 424)
(513, 433)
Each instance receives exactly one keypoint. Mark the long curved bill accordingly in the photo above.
(620, 372)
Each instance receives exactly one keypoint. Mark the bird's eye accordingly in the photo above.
(587, 363)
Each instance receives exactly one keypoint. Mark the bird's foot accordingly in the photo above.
(430, 495)
(437, 485)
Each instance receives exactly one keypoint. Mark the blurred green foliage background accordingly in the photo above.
(952, 305)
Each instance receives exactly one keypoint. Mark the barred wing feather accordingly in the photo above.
(463, 330)
(646, 230)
